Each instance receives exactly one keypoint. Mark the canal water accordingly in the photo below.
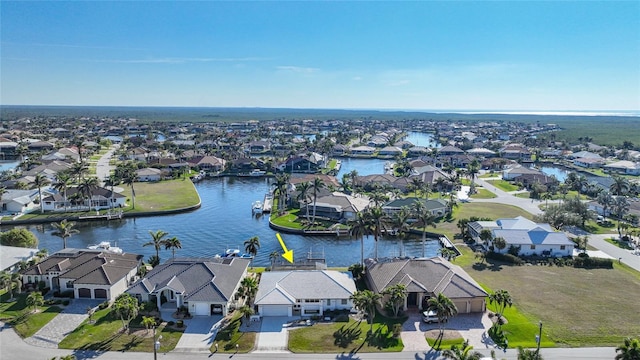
(225, 221)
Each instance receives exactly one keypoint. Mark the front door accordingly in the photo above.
(412, 299)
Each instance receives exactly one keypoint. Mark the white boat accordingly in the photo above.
(105, 246)
(231, 253)
(257, 172)
(257, 207)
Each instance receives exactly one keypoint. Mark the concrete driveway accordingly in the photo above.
(199, 335)
(273, 335)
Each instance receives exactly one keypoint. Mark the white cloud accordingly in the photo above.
(298, 69)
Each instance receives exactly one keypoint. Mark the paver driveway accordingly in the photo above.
(59, 327)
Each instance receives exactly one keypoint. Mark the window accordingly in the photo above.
(312, 301)
(533, 247)
(562, 247)
(69, 285)
(344, 301)
(328, 302)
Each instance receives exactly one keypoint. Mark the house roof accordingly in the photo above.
(10, 255)
(536, 236)
(86, 266)
(409, 201)
(433, 275)
(199, 279)
(285, 287)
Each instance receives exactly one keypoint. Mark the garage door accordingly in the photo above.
(275, 310)
(100, 294)
(84, 293)
(202, 309)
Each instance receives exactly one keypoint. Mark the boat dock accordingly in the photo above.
(107, 216)
(267, 203)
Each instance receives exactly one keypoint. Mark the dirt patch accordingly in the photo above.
(448, 334)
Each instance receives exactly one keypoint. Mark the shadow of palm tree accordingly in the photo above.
(343, 337)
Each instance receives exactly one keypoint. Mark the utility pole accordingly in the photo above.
(538, 340)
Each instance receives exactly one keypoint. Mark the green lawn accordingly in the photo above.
(104, 334)
(578, 307)
(467, 210)
(620, 244)
(162, 195)
(483, 194)
(17, 314)
(289, 219)
(229, 336)
(343, 337)
(503, 185)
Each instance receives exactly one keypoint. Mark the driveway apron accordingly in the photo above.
(59, 327)
(273, 335)
(199, 335)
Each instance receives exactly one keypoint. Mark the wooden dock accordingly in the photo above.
(107, 216)
(267, 203)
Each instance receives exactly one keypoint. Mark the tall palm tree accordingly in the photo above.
(251, 246)
(443, 307)
(62, 184)
(317, 184)
(378, 198)
(35, 299)
(378, 220)
(472, 170)
(86, 188)
(282, 181)
(397, 295)
(248, 289)
(157, 240)
(606, 200)
(359, 227)
(127, 173)
(273, 257)
(424, 218)
(399, 222)
(366, 300)
(78, 170)
(502, 299)
(172, 243)
(111, 181)
(64, 229)
(39, 181)
(303, 195)
(629, 350)
(461, 353)
(620, 208)
(5, 280)
(620, 185)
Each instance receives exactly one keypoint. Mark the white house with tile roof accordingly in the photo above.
(304, 292)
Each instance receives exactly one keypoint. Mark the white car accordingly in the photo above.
(430, 317)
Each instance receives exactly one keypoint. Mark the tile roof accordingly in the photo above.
(285, 287)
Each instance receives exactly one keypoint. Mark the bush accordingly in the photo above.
(497, 335)
(180, 323)
(504, 257)
(397, 329)
(66, 302)
(342, 318)
(19, 238)
(170, 323)
(592, 263)
(103, 305)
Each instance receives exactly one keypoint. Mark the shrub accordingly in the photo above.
(180, 323)
(342, 318)
(66, 302)
(505, 257)
(170, 323)
(592, 263)
(103, 305)
(397, 329)
(19, 238)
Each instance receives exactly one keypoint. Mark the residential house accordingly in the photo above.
(304, 292)
(528, 180)
(519, 170)
(424, 279)
(362, 151)
(258, 147)
(531, 238)
(336, 206)
(389, 152)
(624, 167)
(437, 207)
(87, 273)
(208, 163)
(149, 174)
(307, 163)
(449, 150)
(11, 256)
(515, 152)
(18, 201)
(590, 163)
(206, 286)
(101, 198)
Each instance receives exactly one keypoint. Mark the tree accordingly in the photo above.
(62, 184)
(15, 284)
(629, 350)
(35, 299)
(303, 195)
(461, 352)
(502, 299)
(248, 288)
(606, 200)
(620, 185)
(173, 244)
(366, 300)
(126, 308)
(424, 218)
(5, 280)
(40, 181)
(148, 322)
(359, 227)
(86, 188)
(64, 229)
(246, 311)
(558, 217)
(316, 185)
(111, 181)
(378, 220)
(282, 181)
(273, 257)
(526, 354)
(127, 173)
(19, 238)
(251, 246)
(620, 208)
(399, 222)
(443, 307)
(472, 170)
(447, 253)
(396, 297)
(157, 240)
(499, 243)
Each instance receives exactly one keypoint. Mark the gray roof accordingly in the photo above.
(285, 287)
(11, 255)
(199, 279)
(434, 275)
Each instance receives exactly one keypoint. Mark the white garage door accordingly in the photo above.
(275, 310)
(202, 309)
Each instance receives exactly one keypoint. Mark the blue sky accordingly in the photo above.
(516, 55)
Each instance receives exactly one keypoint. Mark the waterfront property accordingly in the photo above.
(426, 278)
(87, 273)
(304, 292)
(529, 237)
(437, 207)
(11, 256)
(206, 286)
(101, 198)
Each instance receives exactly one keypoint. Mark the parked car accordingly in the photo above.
(430, 317)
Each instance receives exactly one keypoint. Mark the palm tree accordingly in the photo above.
(366, 300)
(62, 183)
(127, 173)
(5, 280)
(246, 312)
(630, 350)
(251, 246)
(472, 170)
(173, 244)
(317, 185)
(526, 354)
(443, 307)
(35, 299)
(273, 257)
(111, 181)
(282, 181)
(378, 220)
(399, 222)
(620, 185)
(78, 170)
(39, 181)
(303, 195)
(606, 200)
(64, 229)
(620, 208)
(378, 198)
(461, 352)
(86, 188)
(248, 288)
(397, 295)
(424, 218)
(502, 299)
(157, 240)
(359, 227)
(148, 322)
